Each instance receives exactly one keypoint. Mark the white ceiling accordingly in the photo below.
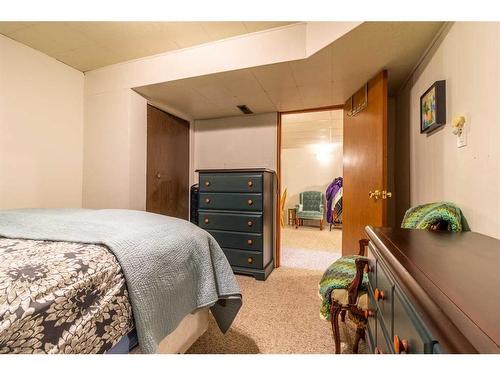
(90, 45)
(311, 128)
(327, 78)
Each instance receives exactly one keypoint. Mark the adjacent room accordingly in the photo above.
(311, 188)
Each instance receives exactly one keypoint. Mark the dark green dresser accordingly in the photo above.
(237, 207)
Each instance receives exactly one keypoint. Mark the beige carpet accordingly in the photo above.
(280, 315)
(310, 248)
(311, 238)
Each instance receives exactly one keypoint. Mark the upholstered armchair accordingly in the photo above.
(310, 207)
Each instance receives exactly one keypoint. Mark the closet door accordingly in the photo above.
(167, 182)
(365, 162)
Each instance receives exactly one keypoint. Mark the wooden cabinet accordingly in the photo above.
(432, 292)
(237, 208)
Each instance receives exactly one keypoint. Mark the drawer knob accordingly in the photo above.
(400, 346)
(250, 242)
(379, 294)
(206, 220)
(368, 269)
(250, 260)
(250, 183)
(250, 223)
(250, 202)
(378, 351)
(207, 183)
(207, 200)
(369, 313)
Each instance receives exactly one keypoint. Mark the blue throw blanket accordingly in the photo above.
(171, 266)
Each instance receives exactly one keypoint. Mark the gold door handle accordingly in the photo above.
(375, 194)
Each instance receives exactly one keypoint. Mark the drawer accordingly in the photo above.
(238, 240)
(244, 222)
(383, 345)
(231, 182)
(231, 201)
(385, 291)
(406, 327)
(243, 258)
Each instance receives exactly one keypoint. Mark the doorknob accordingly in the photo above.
(158, 175)
(375, 194)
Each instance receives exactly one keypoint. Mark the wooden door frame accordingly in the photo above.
(277, 258)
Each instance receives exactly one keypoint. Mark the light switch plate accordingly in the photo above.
(462, 139)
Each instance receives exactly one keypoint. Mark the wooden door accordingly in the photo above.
(365, 164)
(167, 186)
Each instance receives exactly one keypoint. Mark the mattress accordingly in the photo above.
(61, 297)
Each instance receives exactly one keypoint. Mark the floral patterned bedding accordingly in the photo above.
(61, 297)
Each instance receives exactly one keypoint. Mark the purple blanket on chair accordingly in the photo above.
(331, 190)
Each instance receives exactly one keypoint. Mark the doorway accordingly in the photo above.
(167, 180)
(365, 164)
(311, 186)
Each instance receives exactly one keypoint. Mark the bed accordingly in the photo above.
(99, 281)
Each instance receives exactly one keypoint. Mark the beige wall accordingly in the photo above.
(41, 127)
(302, 171)
(114, 170)
(468, 58)
(236, 142)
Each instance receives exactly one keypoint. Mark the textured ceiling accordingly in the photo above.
(311, 128)
(90, 45)
(326, 78)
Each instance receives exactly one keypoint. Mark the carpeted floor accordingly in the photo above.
(280, 315)
(311, 238)
(309, 248)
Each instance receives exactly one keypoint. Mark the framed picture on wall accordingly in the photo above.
(433, 107)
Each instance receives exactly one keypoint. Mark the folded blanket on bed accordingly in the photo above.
(171, 266)
(427, 215)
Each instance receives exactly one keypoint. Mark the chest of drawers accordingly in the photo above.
(432, 292)
(237, 207)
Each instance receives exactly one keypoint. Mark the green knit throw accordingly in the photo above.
(338, 276)
(423, 216)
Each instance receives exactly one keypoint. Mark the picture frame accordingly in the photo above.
(433, 107)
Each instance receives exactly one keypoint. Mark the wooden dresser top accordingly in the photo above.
(458, 272)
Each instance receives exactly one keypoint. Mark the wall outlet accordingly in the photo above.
(462, 139)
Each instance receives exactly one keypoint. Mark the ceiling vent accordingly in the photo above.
(244, 109)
